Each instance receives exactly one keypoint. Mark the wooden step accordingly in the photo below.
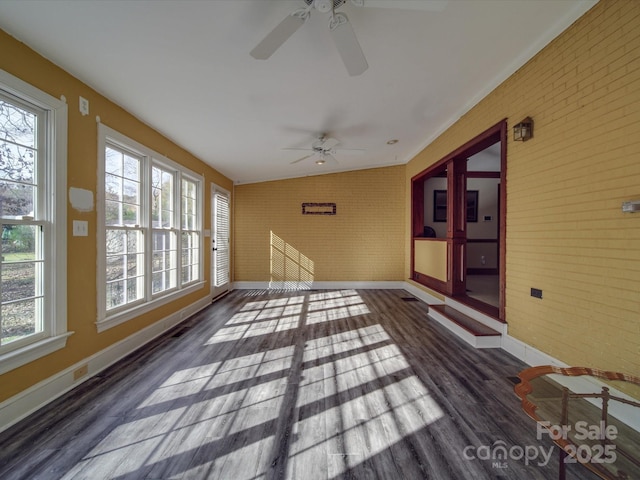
(472, 331)
(469, 324)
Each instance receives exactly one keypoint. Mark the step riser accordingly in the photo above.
(492, 341)
(478, 316)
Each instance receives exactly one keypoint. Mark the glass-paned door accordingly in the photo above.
(220, 251)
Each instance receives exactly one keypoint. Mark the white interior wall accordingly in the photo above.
(479, 255)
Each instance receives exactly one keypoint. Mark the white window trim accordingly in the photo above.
(199, 181)
(55, 174)
(106, 320)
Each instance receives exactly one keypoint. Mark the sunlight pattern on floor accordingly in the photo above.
(349, 432)
(343, 398)
(276, 315)
(326, 307)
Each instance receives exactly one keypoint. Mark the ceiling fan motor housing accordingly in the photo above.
(325, 6)
(339, 28)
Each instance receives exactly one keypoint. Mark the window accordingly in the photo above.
(165, 250)
(124, 235)
(150, 244)
(33, 225)
(190, 234)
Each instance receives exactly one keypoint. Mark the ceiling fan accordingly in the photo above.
(325, 149)
(339, 27)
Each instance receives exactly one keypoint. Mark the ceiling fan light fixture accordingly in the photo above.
(323, 6)
(324, 150)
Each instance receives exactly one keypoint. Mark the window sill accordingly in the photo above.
(134, 312)
(29, 353)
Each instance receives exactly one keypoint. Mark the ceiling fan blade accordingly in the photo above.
(279, 35)
(425, 5)
(328, 143)
(347, 44)
(331, 158)
(301, 159)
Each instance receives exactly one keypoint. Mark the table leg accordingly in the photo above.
(562, 467)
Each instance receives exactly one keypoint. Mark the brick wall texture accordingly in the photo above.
(364, 241)
(566, 232)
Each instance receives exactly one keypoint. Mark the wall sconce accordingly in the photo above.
(523, 131)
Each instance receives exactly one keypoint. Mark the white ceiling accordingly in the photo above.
(184, 68)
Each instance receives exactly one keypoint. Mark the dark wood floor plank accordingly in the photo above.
(329, 384)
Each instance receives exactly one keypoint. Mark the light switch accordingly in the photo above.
(80, 228)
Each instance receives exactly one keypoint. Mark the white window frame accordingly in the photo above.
(54, 207)
(173, 229)
(197, 229)
(110, 318)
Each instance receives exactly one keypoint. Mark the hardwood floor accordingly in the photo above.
(485, 288)
(297, 385)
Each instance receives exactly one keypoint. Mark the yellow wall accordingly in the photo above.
(430, 258)
(566, 233)
(22, 62)
(362, 242)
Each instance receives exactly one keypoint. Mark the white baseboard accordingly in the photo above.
(528, 354)
(35, 397)
(311, 285)
(423, 295)
(250, 285)
(28, 401)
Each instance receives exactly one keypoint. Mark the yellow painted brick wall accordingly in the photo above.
(82, 163)
(566, 233)
(364, 241)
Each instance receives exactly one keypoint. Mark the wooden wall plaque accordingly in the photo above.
(318, 208)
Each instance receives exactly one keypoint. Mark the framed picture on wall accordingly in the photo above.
(472, 205)
(440, 205)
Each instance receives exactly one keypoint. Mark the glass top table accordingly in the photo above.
(593, 416)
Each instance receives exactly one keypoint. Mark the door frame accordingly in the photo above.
(455, 166)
